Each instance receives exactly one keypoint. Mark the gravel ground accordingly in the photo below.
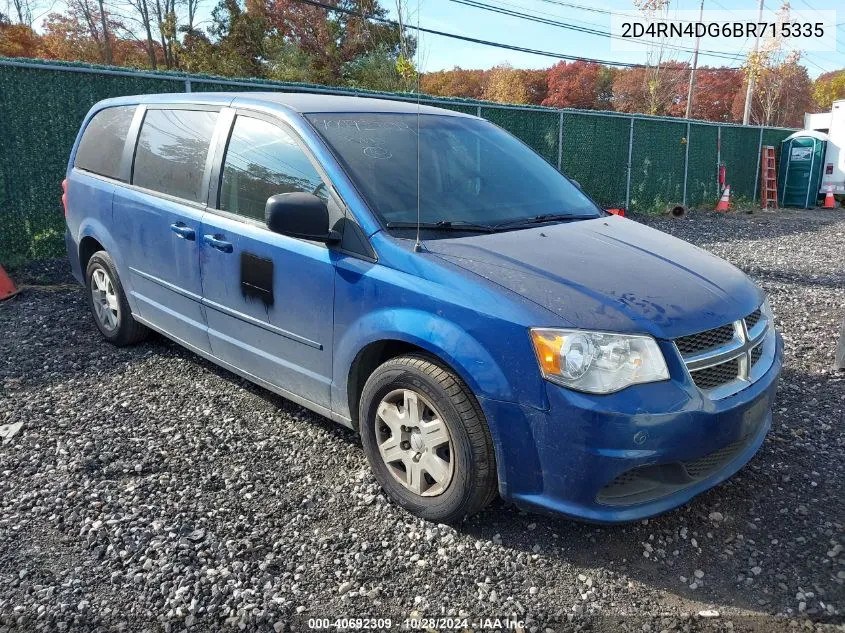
(150, 490)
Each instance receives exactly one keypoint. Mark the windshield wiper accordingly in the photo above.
(540, 219)
(443, 225)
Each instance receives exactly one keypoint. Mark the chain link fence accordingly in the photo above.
(637, 162)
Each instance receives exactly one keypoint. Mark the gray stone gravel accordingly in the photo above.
(150, 490)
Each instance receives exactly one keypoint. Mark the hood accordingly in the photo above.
(610, 274)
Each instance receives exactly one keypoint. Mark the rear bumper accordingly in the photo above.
(631, 455)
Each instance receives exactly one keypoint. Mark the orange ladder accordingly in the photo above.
(768, 179)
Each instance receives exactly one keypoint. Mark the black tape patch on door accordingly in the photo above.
(257, 278)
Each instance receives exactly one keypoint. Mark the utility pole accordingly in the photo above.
(752, 77)
(694, 64)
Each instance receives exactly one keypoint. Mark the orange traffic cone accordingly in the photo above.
(725, 200)
(619, 212)
(829, 201)
(7, 286)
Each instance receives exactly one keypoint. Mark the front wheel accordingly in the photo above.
(108, 302)
(426, 439)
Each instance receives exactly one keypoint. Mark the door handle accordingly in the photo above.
(219, 244)
(185, 232)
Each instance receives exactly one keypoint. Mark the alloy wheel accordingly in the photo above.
(106, 305)
(414, 442)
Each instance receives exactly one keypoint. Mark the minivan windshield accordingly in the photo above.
(472, 174)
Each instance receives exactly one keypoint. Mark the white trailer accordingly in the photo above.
(817, 121)
(833, 173)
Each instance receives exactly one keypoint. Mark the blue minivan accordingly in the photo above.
(423, 277)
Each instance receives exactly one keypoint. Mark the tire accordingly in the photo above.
(472, 482)
(114, 318)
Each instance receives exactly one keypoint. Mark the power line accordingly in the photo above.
(721, 6)
(474, 40)
(812, 8)
(629, 14)
(807, 4)
(581, 29)
(551, 15)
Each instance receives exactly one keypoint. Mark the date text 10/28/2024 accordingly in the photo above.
(416, 624)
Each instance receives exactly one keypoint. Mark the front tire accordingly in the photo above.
(426, 439)
(108, 303)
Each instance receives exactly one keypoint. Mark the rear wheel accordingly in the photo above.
(425, 437)
(108, 302)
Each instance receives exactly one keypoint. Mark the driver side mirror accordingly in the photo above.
(301, 215)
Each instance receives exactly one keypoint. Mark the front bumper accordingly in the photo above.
(629, 455)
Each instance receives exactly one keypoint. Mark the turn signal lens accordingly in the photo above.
(548, 347)
(597, 362)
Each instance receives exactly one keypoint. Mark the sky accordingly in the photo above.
(442, 53)
(437, 52)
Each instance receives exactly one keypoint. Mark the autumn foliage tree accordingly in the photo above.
(333, 39)
(86, 32)
(19, 40)
(289, 40)
(827, 88)
(782, 94)
(506, 84)
(458, 82)
(643, 90)
(579, 84)
(716, 89)
(536, 84)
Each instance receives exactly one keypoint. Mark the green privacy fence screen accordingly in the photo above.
(637, 162)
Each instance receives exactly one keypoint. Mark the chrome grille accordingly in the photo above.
(704, 341)
(726, 359)
(717, 375)
(756, 354)
(752, 319)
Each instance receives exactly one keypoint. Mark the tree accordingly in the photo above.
(191, 6)
(783, 90)
(332, 39)
(143, 17)
(405, 66)
(19, 40)
(659, 92)
(21, 11)
(537, 84)
(106, 45)
(457, 82)
(68, 38)
(240, 35)
(92, 13)
(165, 15)
(506, 84)
(782, 94)
(579, 84)
(84, 33)
(827, 88)
(643, 90)
(288, 62)
(376, 70)
(716, 89)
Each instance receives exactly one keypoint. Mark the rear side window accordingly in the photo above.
(261, 161)
(171, 152)
(102, 142)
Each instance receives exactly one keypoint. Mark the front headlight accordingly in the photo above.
(766, 311)
(597, 362)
